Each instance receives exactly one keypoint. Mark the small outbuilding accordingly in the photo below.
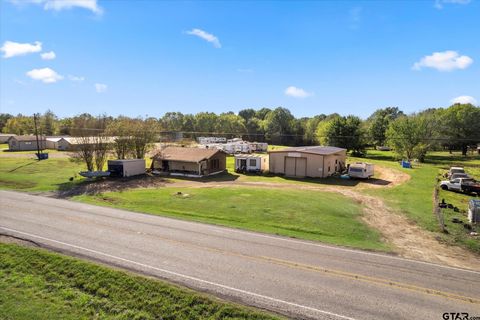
(251, 163)
(126, 167)
(474, 211)
(312, 161)
(195, 162)
(26, 143)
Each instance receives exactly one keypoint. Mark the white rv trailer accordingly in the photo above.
(250, 163)
(360, 170)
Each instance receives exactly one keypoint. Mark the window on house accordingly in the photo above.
(328, 168)
(28, 143)
(252, 163)
(336, 161)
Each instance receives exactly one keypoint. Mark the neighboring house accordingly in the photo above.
(5, 136)
(26, 143)
(251, 163)
(195, 162)
(74, 143)
(53, 142)
(315, 161)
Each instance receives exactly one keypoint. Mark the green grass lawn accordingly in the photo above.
(3, 146)
(33, 175)
(313, 215)
(36, 284)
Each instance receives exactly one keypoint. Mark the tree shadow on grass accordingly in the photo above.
(22, 166)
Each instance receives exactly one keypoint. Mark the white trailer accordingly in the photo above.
(250, 163)
(361, 170)
(126, 168)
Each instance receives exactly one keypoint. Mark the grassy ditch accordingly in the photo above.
(36, 284)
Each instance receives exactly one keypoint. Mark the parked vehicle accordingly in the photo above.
(474, 211)
(460, 175)
(465, 185)
(361, 170)
(454, 170)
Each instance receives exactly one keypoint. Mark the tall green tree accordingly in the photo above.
(4, 117)
(278, 126)
(378, 123)
(461, 124)
(343, 132)
(411, 137)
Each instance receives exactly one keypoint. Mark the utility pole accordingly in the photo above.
(36, 133)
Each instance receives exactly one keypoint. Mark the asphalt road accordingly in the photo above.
(297, 278)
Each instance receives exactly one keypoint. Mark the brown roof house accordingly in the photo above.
(26, 143)
(314, 161)
(191, 162)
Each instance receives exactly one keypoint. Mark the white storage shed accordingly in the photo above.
(126, 167)
(251, 163)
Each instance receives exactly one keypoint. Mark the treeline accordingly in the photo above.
(411, 136)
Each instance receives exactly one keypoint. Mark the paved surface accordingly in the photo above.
(298, 278)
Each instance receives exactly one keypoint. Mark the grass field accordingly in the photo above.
(313, 215)
(36, 284)
(33, 175)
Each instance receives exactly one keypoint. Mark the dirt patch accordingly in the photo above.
(409, 240)
(109, 185)
(394, 177)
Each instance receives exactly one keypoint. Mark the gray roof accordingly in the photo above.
(322, 150)
(27, 138)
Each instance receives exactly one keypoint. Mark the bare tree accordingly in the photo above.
(101, 146)
(144, 133)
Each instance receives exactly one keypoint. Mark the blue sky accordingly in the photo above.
(142, 58)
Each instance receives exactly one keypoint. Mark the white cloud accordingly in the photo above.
(48, 55)
(444, 61)
(440, 3)
(75, 78)
(464, 100)
(205, 36)
(58, 5)
(100, 87)
(12, 49)
(45, 75)
(297, 92)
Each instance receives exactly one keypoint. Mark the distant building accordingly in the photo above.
(314, 161)
(26, 143)
(5, 136)
(190, 161)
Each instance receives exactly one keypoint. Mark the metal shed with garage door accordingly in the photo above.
(126, 167)
(313, 161)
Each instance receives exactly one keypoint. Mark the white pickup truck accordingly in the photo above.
(466, 185)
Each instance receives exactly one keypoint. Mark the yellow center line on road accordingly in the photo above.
(332, 272)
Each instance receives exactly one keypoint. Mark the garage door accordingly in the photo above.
(290, 166)
(295, 167)
(301, 167)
